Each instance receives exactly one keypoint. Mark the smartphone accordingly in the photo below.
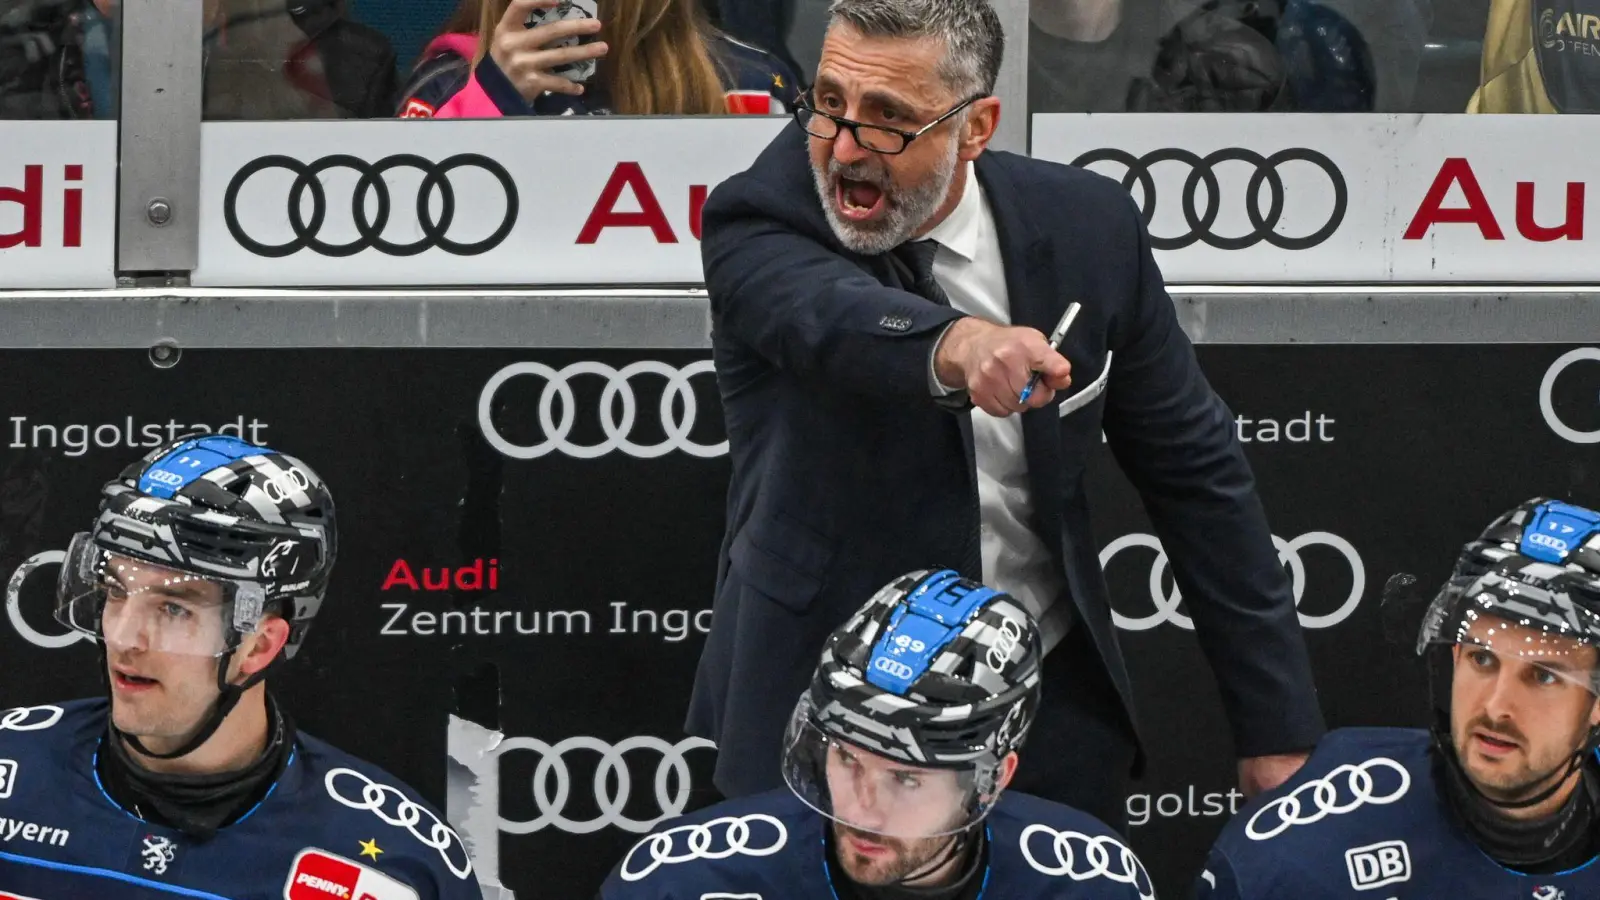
(580, 71)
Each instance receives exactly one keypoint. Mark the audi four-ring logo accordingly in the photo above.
(619, 410)
(407, 814)
(1166, 601)
(1264, 217)
(893, 667)
(14, 603)
(1082, 857)
(717, 839)
(613, 782)
(1325, 794)
(1006, 639)
(1547, 391)
(30, 718)
(371, 183)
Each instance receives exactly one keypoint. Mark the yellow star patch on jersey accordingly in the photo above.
(777, 80)
(370, 848)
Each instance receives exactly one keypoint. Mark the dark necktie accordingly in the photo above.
(918, 257)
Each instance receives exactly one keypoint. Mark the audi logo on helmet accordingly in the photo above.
(557, 411)
(281, 486)
(893, 667)
(371, 202)
(1264, 195)
(1006, 639)
(1166, 601)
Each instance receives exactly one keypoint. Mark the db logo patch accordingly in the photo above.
(320, 875)
(1377, 865)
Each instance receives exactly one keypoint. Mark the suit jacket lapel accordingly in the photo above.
(1029, 265)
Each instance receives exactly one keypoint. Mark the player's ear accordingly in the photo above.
(262, 646)
(1008, 769)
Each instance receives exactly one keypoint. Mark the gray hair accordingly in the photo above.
(969, 29)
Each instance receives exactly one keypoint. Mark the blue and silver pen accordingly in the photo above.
(1056, 337)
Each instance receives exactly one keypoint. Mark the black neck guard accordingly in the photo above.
(1565, 839)
(197, 805)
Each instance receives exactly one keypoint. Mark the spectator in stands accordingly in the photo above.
(763, 23)
(297, 59)
(1353, 55)
(445, 63)
(263, 59)
(1540, 56)
(1225, 55)
(557, 57)
(1153, 56)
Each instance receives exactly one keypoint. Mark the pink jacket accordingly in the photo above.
(448, 86)
(437, 91)
(471, 102)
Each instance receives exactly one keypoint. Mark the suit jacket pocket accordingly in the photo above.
(1087, 394)
(783, 559)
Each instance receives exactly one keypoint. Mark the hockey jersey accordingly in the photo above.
(331, 828)
(1540, 56)
(773, 847)
(1364, 819)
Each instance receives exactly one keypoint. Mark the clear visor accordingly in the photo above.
(1498, 619)
(878, 795)
(131, 604)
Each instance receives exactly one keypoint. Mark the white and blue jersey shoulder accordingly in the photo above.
(1042, 849)
(331, 828)
(1364, 818)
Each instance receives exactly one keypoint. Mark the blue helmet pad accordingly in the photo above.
(191, 460)
(1555, 530)
(925, 622)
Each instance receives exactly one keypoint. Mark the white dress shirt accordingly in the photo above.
(972, 272)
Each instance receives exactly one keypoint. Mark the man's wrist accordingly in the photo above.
(936, 387)
(947, 372)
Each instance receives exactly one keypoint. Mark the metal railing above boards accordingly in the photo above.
(205, 153)
(168, 321)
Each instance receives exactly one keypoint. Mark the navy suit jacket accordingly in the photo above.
(847, 473)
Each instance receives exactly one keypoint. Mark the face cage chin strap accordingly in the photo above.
(1559, 774)
(958, 843)
(228, 698)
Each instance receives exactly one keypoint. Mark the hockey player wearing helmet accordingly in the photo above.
(1498, 798)
(205, 567)
(897, 760)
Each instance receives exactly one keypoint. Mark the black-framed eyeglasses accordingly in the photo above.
(877, 138)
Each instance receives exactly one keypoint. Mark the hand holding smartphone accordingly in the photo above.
(579, 70)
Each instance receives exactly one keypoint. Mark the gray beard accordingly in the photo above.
(904, 211)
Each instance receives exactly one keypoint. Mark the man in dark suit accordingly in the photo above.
(873, 277)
